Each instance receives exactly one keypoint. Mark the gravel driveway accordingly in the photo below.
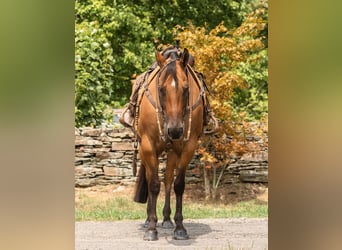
(232, 234)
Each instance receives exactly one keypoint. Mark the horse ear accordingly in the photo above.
(185, 57)
(191, 61)
(160, 59)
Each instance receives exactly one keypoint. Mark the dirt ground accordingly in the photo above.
(228, 233)
(228, 194)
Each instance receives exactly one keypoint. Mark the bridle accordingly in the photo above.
(160, 113)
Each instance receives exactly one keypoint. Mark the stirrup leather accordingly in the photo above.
(212, 125)
(126, 118)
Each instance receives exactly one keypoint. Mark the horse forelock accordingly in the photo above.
(171, 70)
(172, 54)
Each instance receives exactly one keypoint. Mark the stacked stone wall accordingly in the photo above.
(104, 156)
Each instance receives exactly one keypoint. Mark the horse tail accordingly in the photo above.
(141, 187)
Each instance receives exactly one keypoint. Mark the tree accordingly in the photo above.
(115, 41)
(231, 60)
(94, 83)
(167, 14)
(252, 101)
(112, 44)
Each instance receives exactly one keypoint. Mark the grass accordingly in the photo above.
(121, 208)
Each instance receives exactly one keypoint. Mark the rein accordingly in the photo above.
(157, 106)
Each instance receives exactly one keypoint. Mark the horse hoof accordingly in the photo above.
(167, 224)
(151, 235)
(180, 234)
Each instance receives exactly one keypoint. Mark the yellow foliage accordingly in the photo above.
(216, 53)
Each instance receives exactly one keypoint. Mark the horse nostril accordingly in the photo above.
(175, 133)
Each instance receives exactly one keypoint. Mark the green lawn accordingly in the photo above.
(119, 208)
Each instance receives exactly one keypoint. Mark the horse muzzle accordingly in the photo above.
(175, 133)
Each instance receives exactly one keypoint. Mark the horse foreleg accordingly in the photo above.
(180, 232)
(168, 179)
(149, 159)
(154, 188)
(147, 222)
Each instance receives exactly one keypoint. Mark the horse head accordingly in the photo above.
(173, 92)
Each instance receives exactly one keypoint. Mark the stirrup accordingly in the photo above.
(126, 118)
(214, 125)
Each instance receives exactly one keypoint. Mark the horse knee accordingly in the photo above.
(154, 187)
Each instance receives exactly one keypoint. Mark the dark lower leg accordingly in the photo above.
(151, 233)
(147, 222)
(154, 188)
(168, 179)
(179, 190)
(179, 185)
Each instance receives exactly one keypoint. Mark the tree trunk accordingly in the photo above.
(206, 183)
(214, 189)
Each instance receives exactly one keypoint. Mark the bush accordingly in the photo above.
(113, 43)
(234, 62)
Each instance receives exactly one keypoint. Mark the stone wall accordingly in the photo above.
(104, 156)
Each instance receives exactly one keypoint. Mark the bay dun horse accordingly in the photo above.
(170, 120)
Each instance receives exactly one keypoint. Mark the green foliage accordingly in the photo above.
(167, 14)
(252, 101)
(112, 43)
(115, 41)
(94, 73)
